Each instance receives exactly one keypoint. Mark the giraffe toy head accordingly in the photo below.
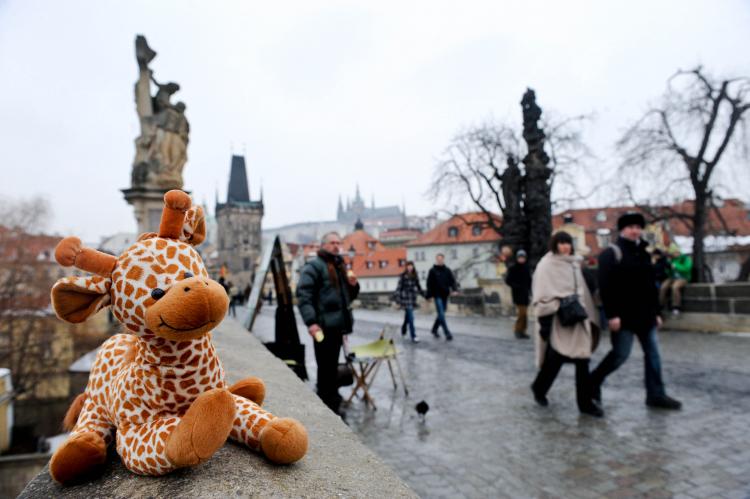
(157, 287)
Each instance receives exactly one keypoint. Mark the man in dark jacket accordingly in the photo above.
(324, 295)
(631, 303)
(440, 285)
(519, 280)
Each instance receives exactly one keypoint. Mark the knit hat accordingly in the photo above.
(521, 254)
(630, 218)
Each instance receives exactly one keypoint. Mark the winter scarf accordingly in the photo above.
(554, 279)
(335, 265)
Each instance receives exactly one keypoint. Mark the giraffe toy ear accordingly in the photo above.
(194, 228)
(75, 299)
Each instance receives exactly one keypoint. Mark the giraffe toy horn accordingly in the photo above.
(176, 203)
(71, 252)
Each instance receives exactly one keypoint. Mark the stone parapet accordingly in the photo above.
(336, 465)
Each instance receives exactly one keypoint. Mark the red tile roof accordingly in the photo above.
(389, 233)
(464, 224)
(361, 241)
(382, 263)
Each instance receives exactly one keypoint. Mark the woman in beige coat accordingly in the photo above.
(558, 275)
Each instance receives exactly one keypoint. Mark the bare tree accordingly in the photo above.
(25, 281)
(484, 164)
(674, 149)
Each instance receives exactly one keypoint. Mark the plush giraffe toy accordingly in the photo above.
(159, 391)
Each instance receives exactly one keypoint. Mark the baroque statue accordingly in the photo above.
(161, 149)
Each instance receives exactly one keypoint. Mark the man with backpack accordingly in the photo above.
(631, 303)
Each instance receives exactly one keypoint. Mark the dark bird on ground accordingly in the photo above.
(422, 409)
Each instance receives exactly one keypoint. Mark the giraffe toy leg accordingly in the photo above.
(251, 388)
(164, 444)
(282, 440)
(86, 448)
(143, 448)
(203, 429)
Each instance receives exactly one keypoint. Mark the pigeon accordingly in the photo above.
(422, 408)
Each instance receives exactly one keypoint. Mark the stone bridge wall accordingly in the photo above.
(337, 463)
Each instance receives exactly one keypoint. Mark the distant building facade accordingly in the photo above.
(239, 227)
(727, 241)
(470, 247)
(385, 216)
(377, 267)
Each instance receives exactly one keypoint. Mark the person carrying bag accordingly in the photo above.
(567, 322)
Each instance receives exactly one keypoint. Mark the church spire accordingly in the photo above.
(238, 191)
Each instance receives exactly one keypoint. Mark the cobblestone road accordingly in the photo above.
(485, 437)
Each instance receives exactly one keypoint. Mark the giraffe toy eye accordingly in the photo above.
(157, 293)
(188, 275)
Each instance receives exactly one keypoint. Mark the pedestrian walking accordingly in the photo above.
(631, 303)
(440, 285)
(224, 284)
(324, 295)
(558, 287)
(519, 280)
(406, 294)
(232, 292)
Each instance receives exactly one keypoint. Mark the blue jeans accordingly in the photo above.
(440, 319)
(622, 344)
(408, 321)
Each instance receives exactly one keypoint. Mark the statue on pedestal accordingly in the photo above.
(537, 184)
(161, 149)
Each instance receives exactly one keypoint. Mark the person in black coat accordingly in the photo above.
(519, 280)
(324, 295)
(406, 295)
(627, 287)
(440, 285)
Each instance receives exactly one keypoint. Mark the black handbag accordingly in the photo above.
(571, 312)
(344, 375)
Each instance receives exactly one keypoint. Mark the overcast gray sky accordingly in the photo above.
(322, 95)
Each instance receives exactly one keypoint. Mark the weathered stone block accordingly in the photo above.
(733, 290)
(742, 306)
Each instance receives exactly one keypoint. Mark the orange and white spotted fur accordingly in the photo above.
(165, 371)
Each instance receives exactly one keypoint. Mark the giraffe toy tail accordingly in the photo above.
(71, 417)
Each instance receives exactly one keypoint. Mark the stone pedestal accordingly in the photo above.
(148, 205)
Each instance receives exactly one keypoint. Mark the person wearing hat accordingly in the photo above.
(519, 280)
(631, 303)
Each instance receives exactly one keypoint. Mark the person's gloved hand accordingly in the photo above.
(545, 326)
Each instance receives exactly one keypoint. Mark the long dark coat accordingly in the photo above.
(323, 301)
(519, 280)
(627, 286)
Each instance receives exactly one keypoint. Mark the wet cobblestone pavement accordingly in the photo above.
(485, 437)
